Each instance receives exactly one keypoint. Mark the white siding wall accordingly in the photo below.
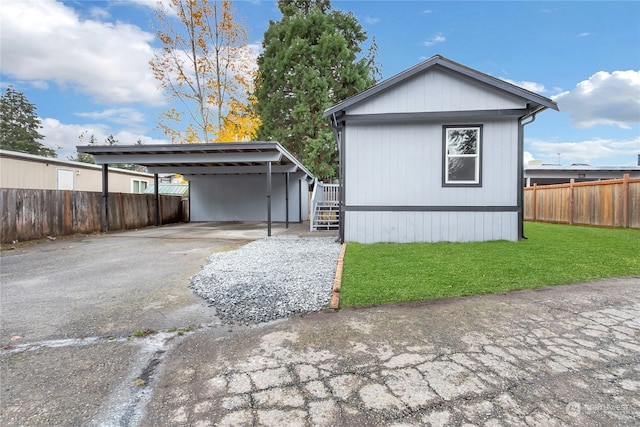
(435, 90)
(244, 198)
(401, 165)
(25, 173)
(408, 227)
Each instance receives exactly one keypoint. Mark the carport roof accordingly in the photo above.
(201, 159)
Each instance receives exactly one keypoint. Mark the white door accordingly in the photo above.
(65, 179)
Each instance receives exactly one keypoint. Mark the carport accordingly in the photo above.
(227, 181)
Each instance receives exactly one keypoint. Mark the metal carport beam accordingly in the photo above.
(219, 170)
(183, 158)
(286, 200)
(105, 198)
(269, 199)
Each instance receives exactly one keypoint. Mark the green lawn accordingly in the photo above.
(553, 254)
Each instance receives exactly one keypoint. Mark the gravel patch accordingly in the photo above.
(269, 279)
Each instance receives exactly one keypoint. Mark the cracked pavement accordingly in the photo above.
(565, 355)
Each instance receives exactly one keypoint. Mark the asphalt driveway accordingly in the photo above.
(73, 316)
(108, 284)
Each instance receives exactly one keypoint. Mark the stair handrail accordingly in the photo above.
(322, 193)
(314, 202)
(331, 193)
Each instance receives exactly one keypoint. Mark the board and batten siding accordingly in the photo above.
(25, 173)
(436, 90)
(244, 198)
(409, 227)
(400, 165)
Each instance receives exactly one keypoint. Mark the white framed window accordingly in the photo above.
(138, 185)
(462, 159)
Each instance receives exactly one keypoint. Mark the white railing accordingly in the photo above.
(314, 202)
(323, 193)
(331, 193)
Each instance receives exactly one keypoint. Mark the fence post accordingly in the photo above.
(571, 182)
(535, 201)
(156, 200)
(625, 200)
(105, 198)
(67, 213)
(123, 217)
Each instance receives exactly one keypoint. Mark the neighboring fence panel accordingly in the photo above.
(610, 203)
(33, 214)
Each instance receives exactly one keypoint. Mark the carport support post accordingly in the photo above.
(286, 199)
(156, 199)
(105, 198)
(300, 198)
(269, 199)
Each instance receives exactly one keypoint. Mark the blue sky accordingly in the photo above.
(84, 64)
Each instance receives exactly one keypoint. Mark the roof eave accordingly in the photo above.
(91, 149)
(105, 154)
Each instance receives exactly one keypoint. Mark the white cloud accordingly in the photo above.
(39, 84)
(527, 158)
(65, 137)
(371, 20)
(530, 86)
(437, 38)
(426, 11)
(122, 115)
(585, 34)
(99, 13)
(584, 151)
(47, 41)
(152, 4)
(604, 99)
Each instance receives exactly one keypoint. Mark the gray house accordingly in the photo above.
(434, 153)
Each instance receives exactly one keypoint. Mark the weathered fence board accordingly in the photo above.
(610, 203)
(34, 214)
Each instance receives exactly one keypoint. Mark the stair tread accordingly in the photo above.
(326, 215)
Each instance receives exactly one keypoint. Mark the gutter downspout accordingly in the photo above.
(520, 200)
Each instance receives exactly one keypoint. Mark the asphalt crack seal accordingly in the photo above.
(129, 418)
(126, 405)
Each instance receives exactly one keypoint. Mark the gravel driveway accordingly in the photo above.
(269, 279)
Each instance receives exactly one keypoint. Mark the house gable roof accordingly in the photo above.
(441, 62)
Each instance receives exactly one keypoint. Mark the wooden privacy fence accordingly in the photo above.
(610, 203)
(34, 214)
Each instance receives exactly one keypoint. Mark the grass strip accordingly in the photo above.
(553, 254)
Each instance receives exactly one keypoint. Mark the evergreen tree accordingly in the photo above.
(311, 60)
(83, 157)
(109, 141)
(19, 125)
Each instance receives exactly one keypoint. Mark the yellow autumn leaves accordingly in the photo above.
(207, 71)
